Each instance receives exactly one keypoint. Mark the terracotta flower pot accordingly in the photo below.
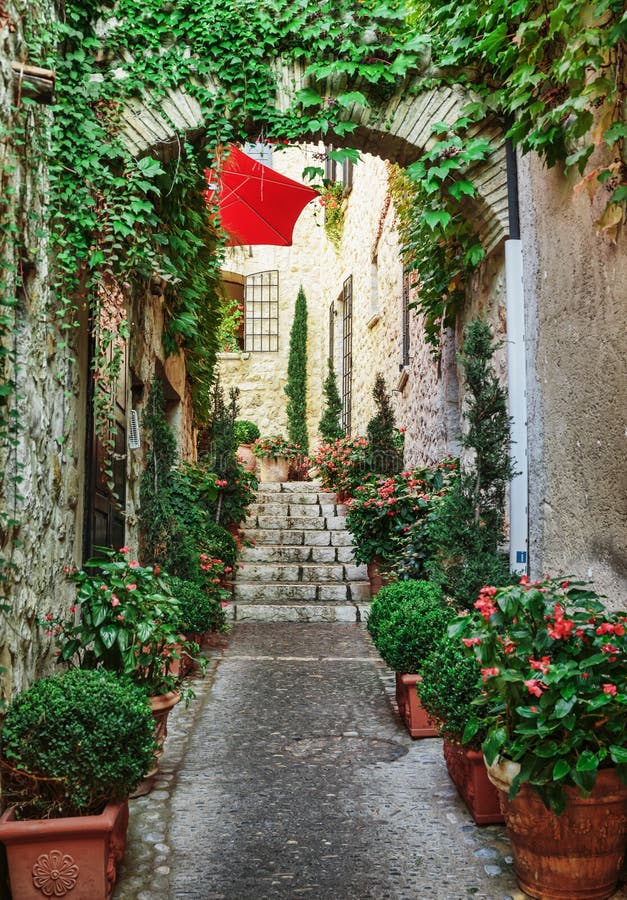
(469, 775)
(247, 457)
(410, 708)
(376, 576)
(160, 706)
(575, 856)
(76, 856)
(274, 468)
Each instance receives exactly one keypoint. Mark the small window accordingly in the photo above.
(261, 312)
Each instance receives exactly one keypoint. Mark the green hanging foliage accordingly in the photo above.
(385, 443)
(296, 387)
(330, 426)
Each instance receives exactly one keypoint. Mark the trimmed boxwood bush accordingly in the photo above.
(74, 742)
(450, 683)
(246, 432)
(406, 620)
(200, 612)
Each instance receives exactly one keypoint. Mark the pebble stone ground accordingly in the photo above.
(290, 776)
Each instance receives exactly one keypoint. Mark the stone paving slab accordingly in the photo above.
(291, 776)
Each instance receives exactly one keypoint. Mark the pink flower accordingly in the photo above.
(533, 709)
(610, 689)
(134, 564)
(121, 617)
(486, 673)
(220, 482)
(114, 600)
(535, 687)
(48, 617)
(471, 642)
(541, 665)
(131, 587)
(609, 648)
(125, 550)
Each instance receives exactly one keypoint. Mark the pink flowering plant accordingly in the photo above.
(383, 513)
(342, 465)
(124, 619)
(275, 445)
(553, 683)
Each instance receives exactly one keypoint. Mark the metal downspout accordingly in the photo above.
(517, 375)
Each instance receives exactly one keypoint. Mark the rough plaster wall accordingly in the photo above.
(576, 302)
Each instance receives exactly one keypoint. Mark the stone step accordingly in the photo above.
(297, 537)
(292, 497)
(302, 612)
(289, 487)
(246, 592)
(292, 510)
(277, 553)
(271, 573)
(308, 523)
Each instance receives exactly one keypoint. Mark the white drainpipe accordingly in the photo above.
(517, 379)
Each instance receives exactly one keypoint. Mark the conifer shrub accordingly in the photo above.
(330, 426)
(296, 387)
(385, 442)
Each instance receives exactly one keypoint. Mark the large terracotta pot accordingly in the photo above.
(247, 457)
(575, 856)
(160, 706)
(377, 577)
(410, 708)
(469, 775)
(76, 856)
(274, 468)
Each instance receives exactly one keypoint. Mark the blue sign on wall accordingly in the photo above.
(521, 556)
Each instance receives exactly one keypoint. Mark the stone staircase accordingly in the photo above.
(300, 565)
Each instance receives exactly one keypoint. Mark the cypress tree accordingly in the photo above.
(330, 426)
(296, 387)
(384, 455)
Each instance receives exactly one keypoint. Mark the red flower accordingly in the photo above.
(131, 587)
(471, 642)
(535, 687)
(610, 689)
(125, 550)
(541, 665)
(486, 673)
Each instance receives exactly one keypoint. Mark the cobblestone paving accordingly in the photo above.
(291, 776)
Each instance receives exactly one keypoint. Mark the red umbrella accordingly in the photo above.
(258, 205)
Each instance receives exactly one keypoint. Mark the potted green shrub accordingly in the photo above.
(72, 748)
(448, 689)
(406, 620)
(201, 610)
(274, 453)
(246, 433)
(554, 669)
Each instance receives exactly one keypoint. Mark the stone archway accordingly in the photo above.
(397, 129)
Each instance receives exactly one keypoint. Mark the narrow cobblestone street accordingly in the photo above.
(290, 775)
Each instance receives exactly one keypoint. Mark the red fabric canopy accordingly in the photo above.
(258, 205)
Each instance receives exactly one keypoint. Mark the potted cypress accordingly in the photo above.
(448, 689)
(405, 622)
(72, 748)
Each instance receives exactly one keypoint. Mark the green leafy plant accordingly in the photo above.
(448, 690)
(385, 441)
(333, 197)
(296, 387)
(554, 672)
(74, 742)
(405, 622)
(330, 426)
(201, 609)
(126, 620)
(273, 446)
(246, 432)
(383, 512)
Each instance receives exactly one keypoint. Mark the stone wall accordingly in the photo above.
(576, 308)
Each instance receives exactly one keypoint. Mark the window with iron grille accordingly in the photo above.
(261, 312)
(332, 335)
(405, 318)
(347, 353)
